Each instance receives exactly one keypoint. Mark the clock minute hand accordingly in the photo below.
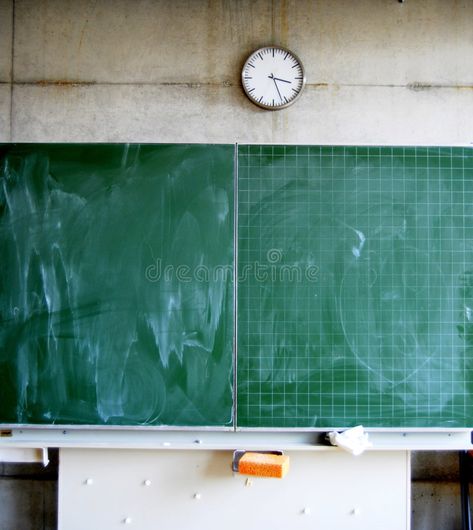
(275, 84)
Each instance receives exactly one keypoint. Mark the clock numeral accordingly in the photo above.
(252, 65)
(261, 57)
(247, 77)
(251, 90)
(285, 57)
(298, 78)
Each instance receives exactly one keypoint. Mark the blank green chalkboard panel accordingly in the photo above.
(110, 308)
(355, 294)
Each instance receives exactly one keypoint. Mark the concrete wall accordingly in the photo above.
(378, 72)
(29, 495)
(436, 490)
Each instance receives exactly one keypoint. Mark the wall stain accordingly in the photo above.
(64, 83)
(419, 86)
(84, 27)
(226, 83)
(279, 22)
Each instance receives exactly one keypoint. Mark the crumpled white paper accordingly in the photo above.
(354, 440)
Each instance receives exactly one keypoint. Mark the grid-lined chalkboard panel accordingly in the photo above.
(355, 291)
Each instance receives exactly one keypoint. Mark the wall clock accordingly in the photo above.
(273, 77)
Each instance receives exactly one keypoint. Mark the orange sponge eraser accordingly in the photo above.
(264, 465)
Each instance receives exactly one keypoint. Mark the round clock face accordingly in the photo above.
(273, 77)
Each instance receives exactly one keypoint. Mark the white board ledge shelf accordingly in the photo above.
(122, 438)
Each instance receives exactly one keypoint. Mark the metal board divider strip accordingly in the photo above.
(235, 286)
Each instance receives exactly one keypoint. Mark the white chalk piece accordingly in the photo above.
(89, 482)
(356, 511)
(197, 496)
(147, 482)
(354, 441)
(127, 520)
(306, 511)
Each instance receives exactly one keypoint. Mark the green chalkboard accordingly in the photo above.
(355, 287)
(354, 291)
(115, 298)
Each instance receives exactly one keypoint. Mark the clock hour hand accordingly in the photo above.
(283, 80)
